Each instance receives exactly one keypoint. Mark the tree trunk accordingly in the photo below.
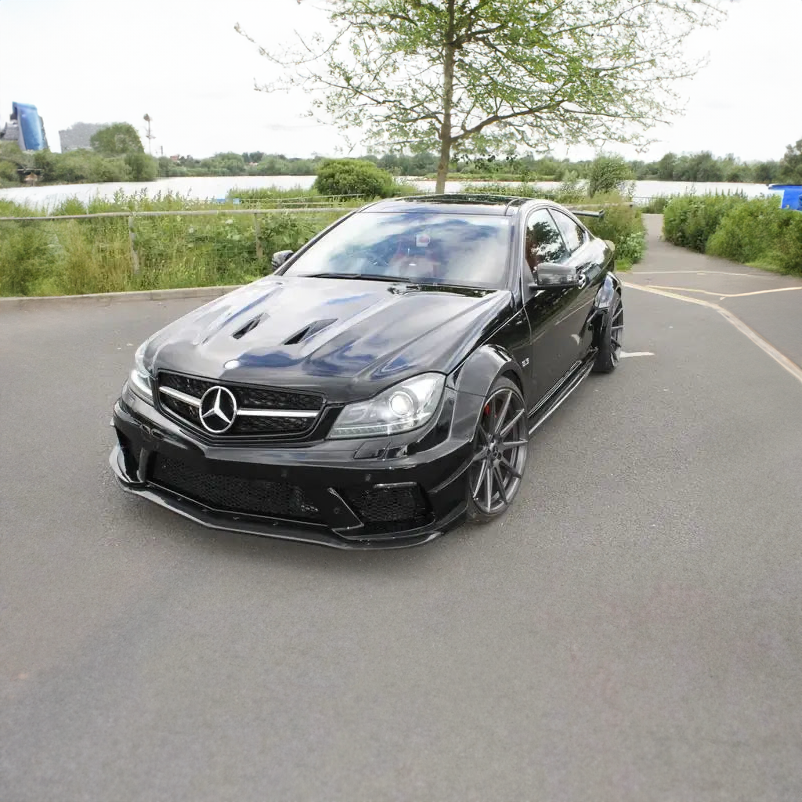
(448, 98)
(442, 165)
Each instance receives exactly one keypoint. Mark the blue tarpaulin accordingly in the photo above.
(791, 195)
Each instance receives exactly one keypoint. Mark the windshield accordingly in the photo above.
(460, 250)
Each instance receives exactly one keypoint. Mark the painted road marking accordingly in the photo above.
(695, 273)
(723, 295)
(629, 354)
(780, 358)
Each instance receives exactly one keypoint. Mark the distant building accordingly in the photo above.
(78, 135)
(25, 127)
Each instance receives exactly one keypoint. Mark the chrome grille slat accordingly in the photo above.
(179, 396)
(277, 413)
(286, 414)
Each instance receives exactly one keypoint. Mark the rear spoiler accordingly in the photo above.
(580, 213)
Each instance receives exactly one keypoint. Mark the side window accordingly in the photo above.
(543, 240)
(573, 233)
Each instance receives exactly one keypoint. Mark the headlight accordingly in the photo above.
(139, 380)
(401, 408)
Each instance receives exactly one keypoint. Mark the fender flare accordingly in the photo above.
(472, 382)
(601, 304)
(609, 287)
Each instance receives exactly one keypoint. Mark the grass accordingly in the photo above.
(75, 257)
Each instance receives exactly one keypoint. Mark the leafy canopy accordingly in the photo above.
(117, 140)
(468, 76)
(791, 164)
(353, 177)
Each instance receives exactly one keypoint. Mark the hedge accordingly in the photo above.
(756, 232)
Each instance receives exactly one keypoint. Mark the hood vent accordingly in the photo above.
(249, 326)
(308, 331)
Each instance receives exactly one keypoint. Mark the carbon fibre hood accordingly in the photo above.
(346, 338)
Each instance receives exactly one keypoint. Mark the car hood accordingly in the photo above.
(347, 338)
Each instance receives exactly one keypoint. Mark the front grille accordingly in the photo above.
(389, 508)
(185, 411)
(234, 493)
(186, 384)
(248, 397)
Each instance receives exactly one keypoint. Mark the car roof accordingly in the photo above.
(498, 205)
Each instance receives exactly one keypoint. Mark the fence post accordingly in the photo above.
(259, 252)
(132, 242)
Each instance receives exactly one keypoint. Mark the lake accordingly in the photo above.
(219, 186)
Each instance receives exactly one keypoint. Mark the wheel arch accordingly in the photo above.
(473, 380)
(610, 287)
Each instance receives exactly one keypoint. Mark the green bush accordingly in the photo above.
(354, 177)
(81, 256)
(141, 166)
(656, 205)
(26, 256)
(623, 225)
(609, 174)
(690, 220)
(760, 232)
(748, 231)
(73, 257)
(523, 190)
(8, 173)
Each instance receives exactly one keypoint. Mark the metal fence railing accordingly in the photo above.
(144, 229)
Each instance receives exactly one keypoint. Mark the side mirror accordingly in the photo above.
(279, 257)
(549, 274)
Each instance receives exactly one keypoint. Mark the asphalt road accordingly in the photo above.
(630, 631)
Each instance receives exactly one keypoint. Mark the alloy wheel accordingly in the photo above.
(617, 331)
(499, 452)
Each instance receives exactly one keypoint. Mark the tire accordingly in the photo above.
(500, 446)
(611, 337)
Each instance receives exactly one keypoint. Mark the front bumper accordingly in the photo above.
(314, 485)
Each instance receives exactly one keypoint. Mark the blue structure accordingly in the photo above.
(26, 128)
(791, 195)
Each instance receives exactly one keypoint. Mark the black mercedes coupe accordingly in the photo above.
(382, 384)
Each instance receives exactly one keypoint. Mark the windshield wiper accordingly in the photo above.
(369, 276)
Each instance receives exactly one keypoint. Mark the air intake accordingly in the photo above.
(249, 326)
(308, 331)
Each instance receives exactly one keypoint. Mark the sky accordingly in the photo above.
(181, 62)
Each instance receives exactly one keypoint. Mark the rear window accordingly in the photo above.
(459, 250)
(573, 234)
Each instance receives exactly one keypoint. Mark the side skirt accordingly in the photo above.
(544, 411)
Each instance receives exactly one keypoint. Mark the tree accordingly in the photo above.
(471, 76)
(791, 164)
(666, 167)
(142, 166)
(765, 172)
(353, 177)
(117, 140)
(607, 174)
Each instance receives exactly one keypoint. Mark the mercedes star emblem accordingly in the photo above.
(218, 409)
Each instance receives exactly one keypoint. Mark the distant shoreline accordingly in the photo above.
(505, 178)
(218, 187)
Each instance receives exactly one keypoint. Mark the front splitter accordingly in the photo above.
(281, 530)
